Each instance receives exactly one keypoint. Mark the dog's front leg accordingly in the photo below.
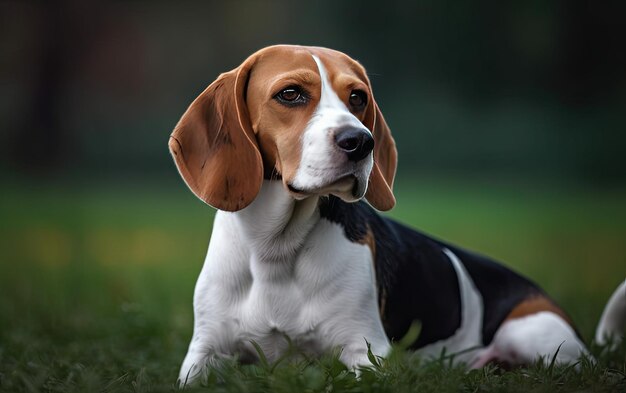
(203, 352)
(194, 365)
(220, 288)
(208, 346)
(355, 354)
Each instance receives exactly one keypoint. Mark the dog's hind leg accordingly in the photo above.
(541, 336)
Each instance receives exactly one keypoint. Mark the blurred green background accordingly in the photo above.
(509, 118)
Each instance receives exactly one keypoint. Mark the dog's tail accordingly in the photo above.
(612, 325)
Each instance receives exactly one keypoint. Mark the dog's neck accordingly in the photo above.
(276, 225)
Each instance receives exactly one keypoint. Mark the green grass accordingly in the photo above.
(96, 286)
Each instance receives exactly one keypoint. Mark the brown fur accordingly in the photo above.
(534, 305)
(369, 240)
(214, 147)
(234, 133)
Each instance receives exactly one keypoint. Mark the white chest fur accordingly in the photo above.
(276, 269)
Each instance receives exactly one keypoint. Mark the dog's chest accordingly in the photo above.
(275, 315)
(302, 300)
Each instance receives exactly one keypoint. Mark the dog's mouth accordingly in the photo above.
(349, 188)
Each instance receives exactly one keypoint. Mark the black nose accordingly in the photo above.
(356, 142)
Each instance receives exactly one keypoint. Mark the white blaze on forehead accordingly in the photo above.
(331, 111)
(328, 97)
(322, 163)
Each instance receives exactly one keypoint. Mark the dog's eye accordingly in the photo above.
(357, 100)
(291, 96)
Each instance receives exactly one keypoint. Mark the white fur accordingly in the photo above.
(275, 269)
(525, 340)
(468, 337)
(322, 162)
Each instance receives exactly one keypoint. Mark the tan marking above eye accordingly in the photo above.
(355, 93)
(303, 78)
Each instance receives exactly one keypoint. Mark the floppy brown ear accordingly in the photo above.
(214, 146)
(379, 191)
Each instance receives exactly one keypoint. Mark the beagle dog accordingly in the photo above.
(294, 152)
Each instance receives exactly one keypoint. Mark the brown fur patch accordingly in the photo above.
(369, 241)
(534, 305)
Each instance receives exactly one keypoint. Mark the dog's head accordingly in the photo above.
(306, 114)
